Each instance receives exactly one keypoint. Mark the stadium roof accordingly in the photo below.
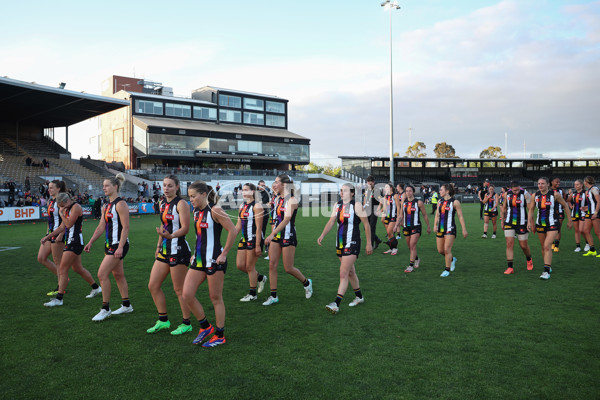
(171, 98)
(463, 159)
(214, 88)
(49, 107)
(145, 122)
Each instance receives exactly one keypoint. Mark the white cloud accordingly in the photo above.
(466, 81)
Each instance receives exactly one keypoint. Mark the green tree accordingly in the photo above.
(326, 169)
(492, 152)
(444, 150)
(330, 170)
(416, 150)
(312, 168)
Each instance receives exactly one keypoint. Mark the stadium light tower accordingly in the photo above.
(391, 5)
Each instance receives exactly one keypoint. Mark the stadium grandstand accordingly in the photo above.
(469, 171)
(224, 137)
(29, 155)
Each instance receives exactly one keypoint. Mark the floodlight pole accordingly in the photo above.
(391, 5)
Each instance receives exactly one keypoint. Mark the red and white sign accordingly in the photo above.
(19, 213)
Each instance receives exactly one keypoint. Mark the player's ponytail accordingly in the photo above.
(202, 187)
(117, 180)
(212, 196)
(449, 188)
(287, 182)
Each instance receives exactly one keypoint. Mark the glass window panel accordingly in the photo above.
(178, 110)
(139, 138)
(185, 146)
(254, 104)
(254, 118)
(249, 146)
(170, 145)
(149, 107)
(275, 106)
(205, 113)
(230, 116)
(219, 145)
(275, 120)
(287, 152)
(230, 101)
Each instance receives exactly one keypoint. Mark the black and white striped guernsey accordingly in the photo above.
(247, 217)
(491, 203)
(170, 218)
(447, 214)
(348, 233)
(74, 234)
(289, 232)
(547, 211)
(112, 223)
(208, 237)
(54, 219)
(591, 201)
(516, 209)
(411, 213)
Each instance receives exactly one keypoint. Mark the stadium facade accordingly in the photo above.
(214, 128)
(463, 171)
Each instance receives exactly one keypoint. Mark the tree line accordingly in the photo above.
(445, 150)
(417, 150)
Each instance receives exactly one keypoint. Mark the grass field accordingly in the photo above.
(477, 334)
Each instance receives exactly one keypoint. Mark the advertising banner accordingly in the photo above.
(146, 208)
(19, 213)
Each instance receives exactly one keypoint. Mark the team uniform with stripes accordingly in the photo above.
(547, 217)
(208, 242)
(173, 251)
(113, 228)
(447, 224)
(515, 221)
(73, 235)
(412, 217)
(287, 237)
(348, 232)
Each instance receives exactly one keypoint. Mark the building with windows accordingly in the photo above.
(464, 171)
(213, 128)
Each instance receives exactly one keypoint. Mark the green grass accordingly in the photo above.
(475, 335)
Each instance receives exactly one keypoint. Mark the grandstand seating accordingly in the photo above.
(29, 147)
(13, 167)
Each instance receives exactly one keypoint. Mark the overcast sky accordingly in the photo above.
(465, 72)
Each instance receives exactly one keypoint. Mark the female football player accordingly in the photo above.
(445, 227)
(209, 261)
(283, 240)
(115, 225)
(172, 255)
(348, 214)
